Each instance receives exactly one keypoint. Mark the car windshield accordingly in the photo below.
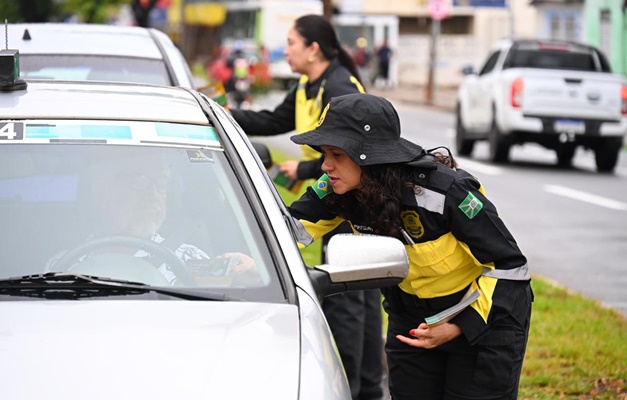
(155, 214)
(93, 68)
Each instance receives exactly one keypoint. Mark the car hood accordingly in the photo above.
(148, 349)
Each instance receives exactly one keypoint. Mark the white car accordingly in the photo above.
(78, 52)
(145, 254)
(561, 95)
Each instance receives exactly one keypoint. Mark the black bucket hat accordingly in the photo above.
(366, 127)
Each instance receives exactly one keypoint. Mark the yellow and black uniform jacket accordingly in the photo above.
(300, 111)
(452, 233)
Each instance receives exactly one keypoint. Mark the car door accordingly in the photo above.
(479, 94)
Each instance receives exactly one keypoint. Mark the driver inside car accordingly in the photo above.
(129, 193)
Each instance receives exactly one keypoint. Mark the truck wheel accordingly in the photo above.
(499, 145)
(606, 154)
(565, 154)
(464, 145)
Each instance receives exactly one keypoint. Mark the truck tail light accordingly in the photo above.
(623, 98)
(516, 93)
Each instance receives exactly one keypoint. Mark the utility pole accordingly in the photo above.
(438, 10)
(433, 57)
(327, 9)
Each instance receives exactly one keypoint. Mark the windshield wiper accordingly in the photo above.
(66, 284)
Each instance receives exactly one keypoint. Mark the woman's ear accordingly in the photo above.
(315, 52)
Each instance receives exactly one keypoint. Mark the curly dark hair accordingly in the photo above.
(380, 196)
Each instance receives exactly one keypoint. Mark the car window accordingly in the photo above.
(490, 63)
(93, 68)
(57, 199)
(551, 59)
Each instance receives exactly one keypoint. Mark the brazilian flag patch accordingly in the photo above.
(471, 206)
(322, 187)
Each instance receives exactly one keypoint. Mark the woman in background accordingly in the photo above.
(327, 71)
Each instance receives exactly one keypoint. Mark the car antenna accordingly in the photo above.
(10, 66)
(26, 35)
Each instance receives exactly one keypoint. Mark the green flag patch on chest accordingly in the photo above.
(322, 186)
(471, 206)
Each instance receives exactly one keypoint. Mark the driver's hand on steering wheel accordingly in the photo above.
(244, 273)
(242, 263)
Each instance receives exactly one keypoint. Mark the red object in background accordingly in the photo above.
(159, 4)
(218, 71)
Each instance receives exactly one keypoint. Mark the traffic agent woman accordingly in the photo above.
(456, 243)
(314, 51)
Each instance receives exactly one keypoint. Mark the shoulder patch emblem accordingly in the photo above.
(323, 115)
(471, 206)
(412, 224)
(322, 187)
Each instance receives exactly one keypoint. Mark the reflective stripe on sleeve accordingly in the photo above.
(302, 236)
(515, 274)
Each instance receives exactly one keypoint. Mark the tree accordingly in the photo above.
(27, 10)
(90, 11)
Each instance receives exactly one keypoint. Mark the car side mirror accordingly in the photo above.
(359, 262)
(264, 153)
(468, 70)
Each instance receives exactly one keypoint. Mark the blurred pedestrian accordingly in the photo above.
(327, 69)
(384, 54)
(363, 58)
(459, 322)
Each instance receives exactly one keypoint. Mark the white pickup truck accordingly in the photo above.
(555, 93)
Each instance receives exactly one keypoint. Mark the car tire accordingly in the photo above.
(565, 154)
(606, 154)
(463, 144)
(499, 144)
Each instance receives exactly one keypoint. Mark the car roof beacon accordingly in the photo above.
(10, 66)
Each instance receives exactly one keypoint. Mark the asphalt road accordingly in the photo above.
(570, 223)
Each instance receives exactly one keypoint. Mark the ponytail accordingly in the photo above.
(348, 62)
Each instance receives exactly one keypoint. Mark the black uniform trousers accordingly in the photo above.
(355, 319)
(488, 369)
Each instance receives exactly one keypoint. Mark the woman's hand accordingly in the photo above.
(289, 168)
(431, 337)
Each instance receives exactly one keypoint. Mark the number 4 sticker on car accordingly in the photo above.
(11, 131)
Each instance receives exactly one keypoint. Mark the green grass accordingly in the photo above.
(311, 254)
(577, 349)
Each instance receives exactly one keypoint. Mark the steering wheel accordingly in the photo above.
(162, 253)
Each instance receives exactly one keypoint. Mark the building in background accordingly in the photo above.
(466, 34)
(560, 19)
(257, 25)
(606, 28)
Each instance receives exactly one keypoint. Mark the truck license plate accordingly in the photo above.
(569, 126)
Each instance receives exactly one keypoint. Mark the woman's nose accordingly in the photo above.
(327, 165)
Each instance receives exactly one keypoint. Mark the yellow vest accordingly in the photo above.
(307, 114)
(308, 111)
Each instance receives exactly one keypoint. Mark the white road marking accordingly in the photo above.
(586, 197)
